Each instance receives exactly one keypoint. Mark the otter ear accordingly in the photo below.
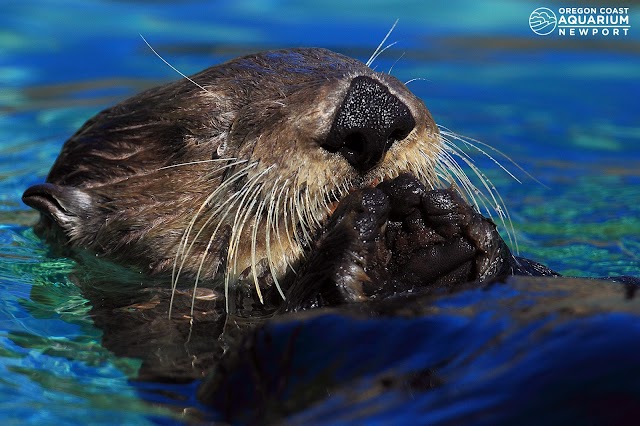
(65, 205)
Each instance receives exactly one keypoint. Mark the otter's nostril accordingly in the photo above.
(355, 142)
(368, 122)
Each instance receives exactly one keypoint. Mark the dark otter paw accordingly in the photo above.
(349, 249)
(394, 238)
(436, 238)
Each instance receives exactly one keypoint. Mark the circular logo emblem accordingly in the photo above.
(542, 21)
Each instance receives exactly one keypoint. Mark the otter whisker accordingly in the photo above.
(416, 79)
(380, 49)
(304, 226)
(223, 186)
(472, 143)
(454, 174)
(452, 148)
(185, 236)
(214, 160)
(181, 248)
(308, 213)
(311, 209)
(273, 224)
(492, 195)
(394, 64)
(238, 196)
(254, 236)
(337, 192)
(326, 197)
(344, 189)
(295, 249)
(288, 220)
(498, 205)
(181, 252)
(450, 170)
(171, 66)
(299, 227)
(475, 196)
(429, 173)
(323, 204)
(211, 196)
(238, 225)
(233, 199)
(236, 229)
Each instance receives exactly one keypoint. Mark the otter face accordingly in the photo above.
(230, 179)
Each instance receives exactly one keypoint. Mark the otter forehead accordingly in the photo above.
(323, 75)
(291, 66)
(300, 61)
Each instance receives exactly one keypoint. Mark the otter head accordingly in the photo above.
(230, 179)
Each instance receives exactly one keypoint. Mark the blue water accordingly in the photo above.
(566, 110)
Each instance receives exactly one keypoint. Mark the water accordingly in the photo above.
(566, 110)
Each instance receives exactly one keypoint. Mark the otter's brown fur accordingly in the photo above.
(236, 177)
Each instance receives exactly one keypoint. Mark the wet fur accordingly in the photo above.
(224, 179)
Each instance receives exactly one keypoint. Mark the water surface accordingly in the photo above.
(565, 110)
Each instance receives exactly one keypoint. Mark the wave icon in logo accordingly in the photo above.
(542, 21)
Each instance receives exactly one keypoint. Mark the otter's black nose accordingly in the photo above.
(367, 123)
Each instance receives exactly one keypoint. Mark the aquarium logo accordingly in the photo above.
(581, 21)
(543, 21)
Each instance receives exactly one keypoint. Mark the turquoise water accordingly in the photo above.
(566, 110)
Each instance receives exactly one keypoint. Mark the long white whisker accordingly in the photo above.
(233, 199)
(288, 220)
(238, 225)
(461, 178)
(169, 65)
(254, 237)
(496, 200)
(311, 210)
(207, 201)
(384, 40)
(382, 51)
(415, 79)
(190, 163)
(474, 142)
(304, 225)
(468, 143)
(273, 209)
(183, 252)
(394, 64)
(295, 249)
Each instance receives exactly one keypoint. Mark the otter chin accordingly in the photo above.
(231, 176)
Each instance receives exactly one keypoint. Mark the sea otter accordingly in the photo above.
(232, 177)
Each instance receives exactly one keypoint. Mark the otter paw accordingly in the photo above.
(351, 247)
(395, 238)
(438, 239)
